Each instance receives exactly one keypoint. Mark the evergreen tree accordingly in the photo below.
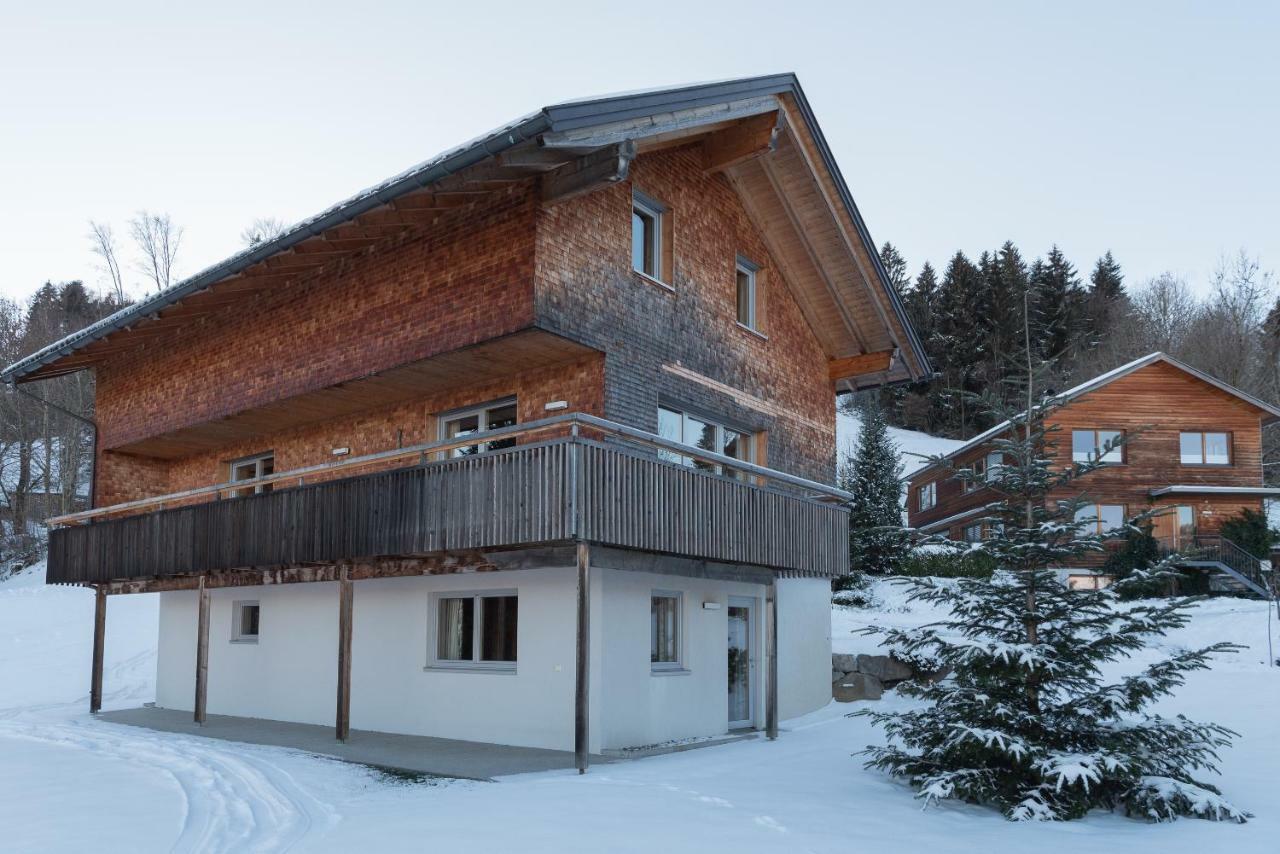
(1106, 296)
(1026, 723)
(877, 540)
(921, 302)
(1059, 306)
(961, 333)
(896, 266)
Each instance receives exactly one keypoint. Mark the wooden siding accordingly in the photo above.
(555, 491)
(1153, 405)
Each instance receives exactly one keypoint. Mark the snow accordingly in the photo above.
(916, 448)
(69, 782)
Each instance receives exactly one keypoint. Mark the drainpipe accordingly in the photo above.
(92, 425)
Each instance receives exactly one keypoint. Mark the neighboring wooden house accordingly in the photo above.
(506, 447)
(1192, 445)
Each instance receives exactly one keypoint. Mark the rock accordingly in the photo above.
(883, 667)
(856, 686)
(935, 676)
(844, 662)
(837, 675)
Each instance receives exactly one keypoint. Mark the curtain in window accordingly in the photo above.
(455, 630)
(662, 629)
(498, 628)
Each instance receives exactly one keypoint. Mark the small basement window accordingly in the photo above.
(244, 627)
(251, 468)
(647, 237)
(664, 631)
(477, 630)
(746, 294)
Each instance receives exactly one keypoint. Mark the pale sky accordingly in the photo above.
(1151, 129)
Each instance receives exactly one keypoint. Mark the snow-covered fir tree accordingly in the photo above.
(1025, 722)
(877, 540)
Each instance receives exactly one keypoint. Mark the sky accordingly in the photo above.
(1149, 129)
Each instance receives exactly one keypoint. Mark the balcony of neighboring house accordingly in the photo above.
(482, 497)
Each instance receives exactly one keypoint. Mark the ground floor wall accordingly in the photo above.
(290, 672)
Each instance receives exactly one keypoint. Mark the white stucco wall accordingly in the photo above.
(804, 645)
(291, 672)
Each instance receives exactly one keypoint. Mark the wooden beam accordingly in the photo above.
(99, 641)
(771, 661)
(202, 653)
(532, 157)
(750, 138)
(582, 663)
(345, 596)
(853, 366)
(590, 172)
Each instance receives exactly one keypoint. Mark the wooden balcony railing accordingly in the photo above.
(572, 477)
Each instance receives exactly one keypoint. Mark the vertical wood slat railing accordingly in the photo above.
(563, 489)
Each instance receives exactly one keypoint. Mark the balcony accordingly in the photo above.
(567, 479)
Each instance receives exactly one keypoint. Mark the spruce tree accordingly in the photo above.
(877, 540)
(1106, 295)
(961, 332)
(896, 266)
(1025, 723)
(1058, 306)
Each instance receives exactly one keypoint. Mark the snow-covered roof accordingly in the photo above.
(1111, 376)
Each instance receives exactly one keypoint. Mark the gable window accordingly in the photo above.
(746, 294)
(244, 626)
(647, 236)
(1087, 446)
(1100, 518)
(699, 432)
(251, 468)
(927, 496)
(664, 630)
(464, 422)
(1205, 449)
(477, 629)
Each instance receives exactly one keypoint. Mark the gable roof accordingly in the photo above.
(575, 128)
(1273, 412)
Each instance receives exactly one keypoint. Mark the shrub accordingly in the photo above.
(1249, 531)
(947, 564)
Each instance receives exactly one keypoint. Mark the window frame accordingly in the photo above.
(1204, 448)
(257, 461)
(656, 212)
(473, 664)
(1096, 454)
(1098, 518)
(744, 266)
(930, 489)
(660, 668)
(238, 635)
(721, 428)
(481, 411)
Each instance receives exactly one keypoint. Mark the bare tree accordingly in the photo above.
(1166, 308)
(262, 229)
(103, 240)
(158, 239)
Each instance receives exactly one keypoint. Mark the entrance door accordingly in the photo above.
(741, 664)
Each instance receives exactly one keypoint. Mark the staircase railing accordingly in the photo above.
(1241, 563)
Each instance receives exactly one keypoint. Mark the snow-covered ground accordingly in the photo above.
(72, 783)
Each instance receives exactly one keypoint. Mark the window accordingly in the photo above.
(973, 533)
(488, 417)
(477, 629)
(983, 471)
(244, 626)
(1087, 445)
(647, 236)
(927, 495)
(1205, 449)
(746, 294)
(664, 630)
(251, 468)
(1100, 518)
(992, 465)
(702, 433)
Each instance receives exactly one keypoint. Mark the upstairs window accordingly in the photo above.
(647, 236)
(992, 464)
(252, 468)
(1087, 445)
(1100, 518)
(477, 629)
(927, 496)
(983, 471)
(464, 422)
(1205, 449)
(699, 432)
(746, 294)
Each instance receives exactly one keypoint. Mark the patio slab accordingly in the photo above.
(441, 757)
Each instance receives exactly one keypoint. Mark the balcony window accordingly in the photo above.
(244, 626)
(746, 294)
(664, 631)
(705, 434)
(1100, 519)
(477, 629)
(462, 423)
(927, 496)
(647, 237)
(1087, 446)
(251, 468)
(1205, 449)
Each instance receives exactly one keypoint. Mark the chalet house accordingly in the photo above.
(531, 444)
(1191, 446)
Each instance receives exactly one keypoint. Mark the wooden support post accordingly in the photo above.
(202, 653)
(582, 666)
(345, 598)
(99, 641)
(771, 662)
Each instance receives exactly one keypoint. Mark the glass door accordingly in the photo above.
(741, 664)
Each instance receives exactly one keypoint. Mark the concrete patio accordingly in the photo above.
(441, 757)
